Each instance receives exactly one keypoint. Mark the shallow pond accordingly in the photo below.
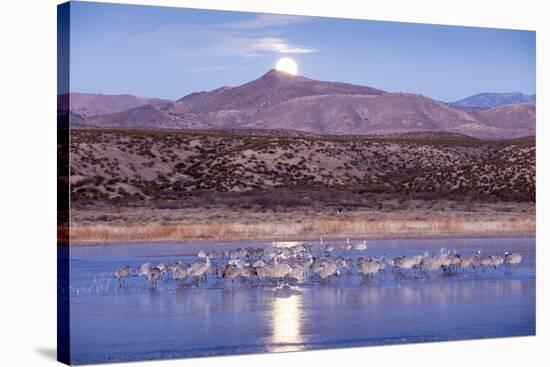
(136, 322)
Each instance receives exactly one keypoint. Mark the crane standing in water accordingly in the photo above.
(122, 272)
(297, 264)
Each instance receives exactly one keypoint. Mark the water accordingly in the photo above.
(134, 322)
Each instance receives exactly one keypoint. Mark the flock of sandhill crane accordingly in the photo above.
(301, 262)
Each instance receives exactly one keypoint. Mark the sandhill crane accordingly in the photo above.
(232, 272)
(198, 269)
(153, 276)
(368, 267)
(362, 246)
(122, 272)
(220, 269)
(172, 266)
(430, 263)
(300, 268)
(318, 264)
(328, 269)
(279, 271)
(512, 259)
(449, 260)
(180, 272)
(248, 272)
(145, 269)
(346, 247)
(162, 268)
(496, 261)
(469, 261)
(342, 264)
(407, 262)
(491, 261)
(484, 262)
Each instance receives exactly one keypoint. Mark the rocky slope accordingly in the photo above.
(162, 166)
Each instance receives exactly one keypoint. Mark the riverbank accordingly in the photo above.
(158, 225)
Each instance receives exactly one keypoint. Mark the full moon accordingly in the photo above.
(287, 65)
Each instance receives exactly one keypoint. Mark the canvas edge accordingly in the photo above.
(63, 170)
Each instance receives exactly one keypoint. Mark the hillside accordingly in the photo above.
(198, 168)
(488, 100)
(84, 105)
(518, 117)
(281, 101)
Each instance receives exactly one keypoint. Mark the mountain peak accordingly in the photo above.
(277, 75)
(273, 72)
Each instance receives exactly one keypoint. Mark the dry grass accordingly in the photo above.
(363, 224)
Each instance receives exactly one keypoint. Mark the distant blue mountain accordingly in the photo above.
(488, 100)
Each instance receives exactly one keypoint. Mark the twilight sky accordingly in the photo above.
(171, 52)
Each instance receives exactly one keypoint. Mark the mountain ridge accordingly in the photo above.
(87, 105)
(492, 99)
(280, 101)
